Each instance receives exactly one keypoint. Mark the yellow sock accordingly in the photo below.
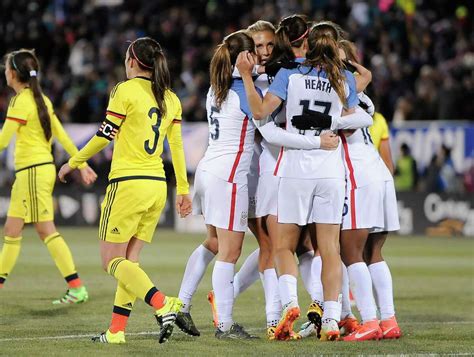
(9, 256)
(123, 305)
(133, 278)
(62, 257)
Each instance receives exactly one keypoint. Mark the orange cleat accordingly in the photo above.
(348, 325)
(369, 330)
(284, 330)
(390, 328)
(329, 330)
(212, 301)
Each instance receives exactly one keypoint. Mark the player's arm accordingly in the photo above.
(9, 129)
(311, 119)
(384, 148)
(260, 108)
(175, 140)
(280, 137)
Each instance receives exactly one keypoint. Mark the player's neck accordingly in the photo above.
(143, 74)
(18, 86)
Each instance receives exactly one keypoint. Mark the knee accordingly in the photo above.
(211, 244)
(12, 231)
(230, 256)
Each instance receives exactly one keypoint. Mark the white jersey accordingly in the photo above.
(231, 136)
(362, 160)
(305, 87)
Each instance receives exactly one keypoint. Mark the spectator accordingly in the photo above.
(406, 174)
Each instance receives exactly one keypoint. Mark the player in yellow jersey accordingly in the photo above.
(31, 118)
(142, 111)
(380, 136)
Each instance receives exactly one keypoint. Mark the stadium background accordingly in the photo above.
(421, 54)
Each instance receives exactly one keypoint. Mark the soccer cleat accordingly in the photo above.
(271, 333)
(109, 337)
(367, 331)
(166, 317)
(212, 301)
(390, 328)
(236, 332)
(329, 330)
(73, 296)
(348, 325)
(307, 329)
(284, 329)
(186, 324)
(315, 314)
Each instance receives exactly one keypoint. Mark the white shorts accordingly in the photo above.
(304, 201)
(267, 195)
(252, 178)
(223, 204)
(373, 207)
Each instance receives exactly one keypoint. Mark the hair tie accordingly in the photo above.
(301, 37)
(33, 73)
(13, 62)
(135, 57)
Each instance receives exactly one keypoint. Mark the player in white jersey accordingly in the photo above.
(312, 181)
(370, 212)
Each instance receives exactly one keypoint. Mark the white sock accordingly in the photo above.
(346, 298)
(317, 284)
(248, 273)
(222, 283)
(361, 286)
(272, 297)
(304, 264)
(288, 289)
(382, 282)
(195, 269)
(332, 310)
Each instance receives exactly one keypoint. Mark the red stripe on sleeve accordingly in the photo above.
(18, 120)
(117, 115)
(176, 121)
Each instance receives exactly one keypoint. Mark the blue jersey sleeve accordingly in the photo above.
(238, 87)
(352, 98)
(279, 86)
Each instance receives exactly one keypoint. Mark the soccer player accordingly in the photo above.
(31, 117)
(321, 83)
(142, 111)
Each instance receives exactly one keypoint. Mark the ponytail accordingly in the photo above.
(221, 73)
(161, 80)
(324, 52)
(223, 60)
(150, 57)
(26, 66)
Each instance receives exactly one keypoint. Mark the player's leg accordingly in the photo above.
(305, 254)
(348, 323)
(287, 241)
(230, 246)
(382, 284)
(62, 257)
(11, 246)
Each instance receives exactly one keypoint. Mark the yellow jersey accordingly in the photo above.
(31, 146)
(379, 130)
(139, 129)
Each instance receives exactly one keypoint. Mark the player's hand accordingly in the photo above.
(245, 62)
(88, 176)
(64, 171)
(329, 141)
(184, 205)
(311, 119)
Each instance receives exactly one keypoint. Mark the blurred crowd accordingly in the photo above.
(421, 52)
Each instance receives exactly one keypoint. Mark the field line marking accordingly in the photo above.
(148, 333)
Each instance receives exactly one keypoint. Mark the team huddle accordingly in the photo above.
(290, 157)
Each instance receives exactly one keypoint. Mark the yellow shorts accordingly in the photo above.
(32, 194)
(132, 208)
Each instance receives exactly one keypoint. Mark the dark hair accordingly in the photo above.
(332, 29)
(150, 57)
(349, 49)
(223, 60)
(26, 66)
(323, 51)
(291, 32)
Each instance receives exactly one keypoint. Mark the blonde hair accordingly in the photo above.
(261, 26)
(349, 49)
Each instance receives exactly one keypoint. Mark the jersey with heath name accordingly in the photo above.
(309, 87)
(231, 135)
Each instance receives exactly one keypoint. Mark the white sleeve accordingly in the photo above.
(357, 120)
(280, 137)
(370, 105)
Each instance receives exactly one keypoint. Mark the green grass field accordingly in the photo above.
(433, 283)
